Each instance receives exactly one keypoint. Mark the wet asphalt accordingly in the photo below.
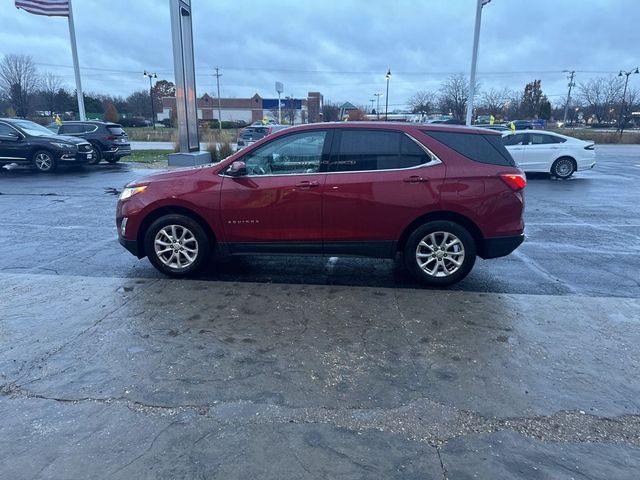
(310, 367)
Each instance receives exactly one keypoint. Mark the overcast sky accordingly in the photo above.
(341, 48)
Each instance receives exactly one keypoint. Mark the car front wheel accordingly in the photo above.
(44, 161)
(177, 245)
(440, 253)
(563, 168)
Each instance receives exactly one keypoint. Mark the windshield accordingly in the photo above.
(31, 128)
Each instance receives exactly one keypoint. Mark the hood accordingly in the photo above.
(166, 175)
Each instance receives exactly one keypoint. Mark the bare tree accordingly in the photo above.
(18, 81)
(601, 95)
(494, 100)
(422, 102)
(49, 88)
(454, 93)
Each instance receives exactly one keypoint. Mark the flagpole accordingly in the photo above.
(76, 67)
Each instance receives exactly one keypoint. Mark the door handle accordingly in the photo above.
(307, 184)
(415, 179)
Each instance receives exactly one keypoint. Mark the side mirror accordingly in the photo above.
(237, 169)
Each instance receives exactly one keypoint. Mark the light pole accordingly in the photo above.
(153, 108)
(474, 60)
(622, 119)
(378, 108)
(386, 99)
(218, 75)
(372, 100)
(571, 73)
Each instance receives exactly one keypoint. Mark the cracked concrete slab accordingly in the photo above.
(115, 362)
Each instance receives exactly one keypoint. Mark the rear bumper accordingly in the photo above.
(500, 246)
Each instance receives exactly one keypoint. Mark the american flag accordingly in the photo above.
(50, 8)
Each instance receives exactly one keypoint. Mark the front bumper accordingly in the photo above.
(76, 158)
(500, 246)
(130, 245)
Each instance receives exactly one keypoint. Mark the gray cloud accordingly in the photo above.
(341, 48)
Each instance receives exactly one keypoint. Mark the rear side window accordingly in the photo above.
(360, 150)
(116, 130)
(72, 128)
(544, 139)
(479, 148)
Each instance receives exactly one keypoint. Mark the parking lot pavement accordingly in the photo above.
(320, 368)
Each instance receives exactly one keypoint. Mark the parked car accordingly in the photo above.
(252, 134)
(27, 143)
(135, 122)
(521, 124)
(440, 195)
(447, 121)
(543, 151)
(110, 142)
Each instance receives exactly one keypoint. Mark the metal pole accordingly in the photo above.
(218, 75)
(279, 110)
(378, 107)
(372, 101)
(474, 60)
(76, 67)
(566, 107)
(153, 108)
(621, 119)
(386, 99)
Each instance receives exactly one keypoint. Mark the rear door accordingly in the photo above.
(12, 145)
(377, 182)
(277, 204)
(540, 152)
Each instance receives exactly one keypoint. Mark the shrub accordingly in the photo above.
(212, 148)
(225, 150)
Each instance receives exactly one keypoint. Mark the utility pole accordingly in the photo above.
(386, 106)
(571, 84)
(378, 107)
(218, 75)
(623, 118)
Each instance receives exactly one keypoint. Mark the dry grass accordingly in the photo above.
(601, 137)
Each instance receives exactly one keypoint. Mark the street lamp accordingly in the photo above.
(153, 108)
(378, 108)
(386, 100)
(622, 118)
(474, 59)
(372, 100)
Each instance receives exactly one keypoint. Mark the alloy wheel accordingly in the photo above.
(440, 254)
(176, 246)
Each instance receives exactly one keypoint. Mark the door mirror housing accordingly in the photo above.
(237, 169)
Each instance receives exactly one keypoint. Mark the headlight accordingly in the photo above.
(62, 145)
(131, 191)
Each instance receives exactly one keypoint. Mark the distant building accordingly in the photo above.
(252, 109)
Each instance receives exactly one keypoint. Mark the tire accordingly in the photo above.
(166, 254)
(433, 265)
(563, 168)
(44, 161)
(97, 152)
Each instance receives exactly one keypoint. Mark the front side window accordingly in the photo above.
(298, 153)
(6, 130)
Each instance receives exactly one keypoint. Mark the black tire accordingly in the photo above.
(44, 161)
(180, 222)
(97, 154)
(438, 262)
(563, 168)
(113, 160)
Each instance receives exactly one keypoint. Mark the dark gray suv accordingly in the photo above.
(110, 142)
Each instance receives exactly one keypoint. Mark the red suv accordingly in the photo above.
(440, 195)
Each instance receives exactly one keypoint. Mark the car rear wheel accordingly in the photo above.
(177, 245)
(563, 168)
(44, 161)
(440, 253)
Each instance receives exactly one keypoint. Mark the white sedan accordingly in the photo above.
(542, 151)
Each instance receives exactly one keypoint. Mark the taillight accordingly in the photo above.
(516, 181)
(590, 147)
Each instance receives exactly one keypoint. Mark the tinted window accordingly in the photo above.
(544, 139)
(294, 154)
(479, 148)
(6, 129)
(360, 150)
(71, 128)
(116, 130)
(515, 139)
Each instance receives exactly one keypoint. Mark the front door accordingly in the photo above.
(278, 203)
